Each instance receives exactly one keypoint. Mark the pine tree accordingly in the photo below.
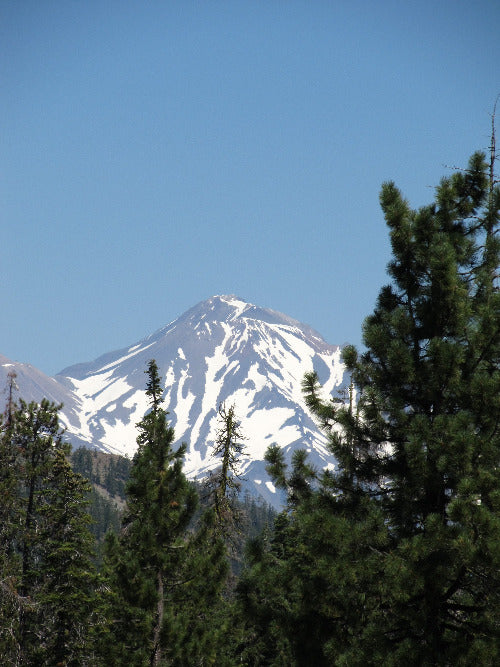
(67, 600)
(223, 486)
(424, 449)
(10, 601)
(265, 612)
(48, 544)
(8, 480)
(35, 435)
(308, 588)
(394, 557)
(163, 573)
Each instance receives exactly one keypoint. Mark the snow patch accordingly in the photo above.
(183, 407)
(238, 305)
(211, 395)
(125, 357)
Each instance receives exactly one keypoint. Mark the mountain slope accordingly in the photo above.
(222, 349)
(33, 385)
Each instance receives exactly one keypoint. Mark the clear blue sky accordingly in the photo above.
(153, 154)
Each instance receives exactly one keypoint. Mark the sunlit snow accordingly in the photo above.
(132, 353)
(256, 365)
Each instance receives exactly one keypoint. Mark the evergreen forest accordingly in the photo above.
(391, 558)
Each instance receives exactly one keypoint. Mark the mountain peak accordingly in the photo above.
(230, 308)
(230, 304)
(223, 349)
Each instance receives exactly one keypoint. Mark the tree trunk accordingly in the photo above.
(156, 656)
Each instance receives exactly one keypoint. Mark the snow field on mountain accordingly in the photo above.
(223, 350)
(100, 392)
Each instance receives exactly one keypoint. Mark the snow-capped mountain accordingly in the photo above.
(221, 350)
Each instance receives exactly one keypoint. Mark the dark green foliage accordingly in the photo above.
(68, 578)
(257, 517)
(81, 460)
(10, 509)
(164, 578)
(427, 437)
(306, 590)
(394, 557)
(106, 510)
(48, 579)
